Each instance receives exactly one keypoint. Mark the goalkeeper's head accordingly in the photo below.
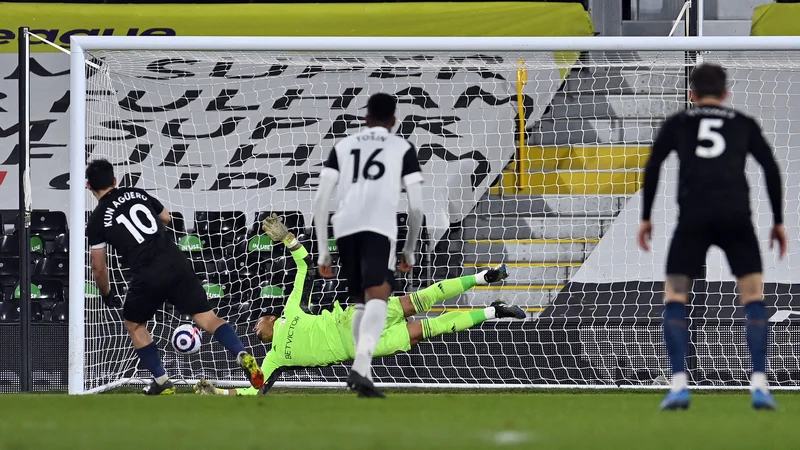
(708, 84)
(380, 110)
(265, 328)
(100, 177)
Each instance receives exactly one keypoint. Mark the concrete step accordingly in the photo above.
(533, 272)
(543, 251)
(552, 205)
(615, 80)
(596, 105)
(527, 296)
(493, 227)
(589, 130)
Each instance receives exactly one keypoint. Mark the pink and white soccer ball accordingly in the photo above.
(186, 339)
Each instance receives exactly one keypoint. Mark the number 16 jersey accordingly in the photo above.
(127, 219)
(372, 166)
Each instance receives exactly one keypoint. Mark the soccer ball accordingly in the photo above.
(186, 339)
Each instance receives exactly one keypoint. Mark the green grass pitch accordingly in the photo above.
(296, 420)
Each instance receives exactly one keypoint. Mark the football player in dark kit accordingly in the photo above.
(133, 222)
(712, 142)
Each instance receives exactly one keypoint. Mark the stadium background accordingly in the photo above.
(484, 230)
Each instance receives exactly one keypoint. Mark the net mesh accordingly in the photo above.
(223, 138)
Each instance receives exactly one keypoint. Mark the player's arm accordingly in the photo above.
(328, 178)
(762, 152)
(663, 145)
(163, 214)
(98, 254)
(277, 231)
(412, 180)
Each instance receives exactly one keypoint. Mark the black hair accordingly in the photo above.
(100, 174)
(708, 80)
(381, 107)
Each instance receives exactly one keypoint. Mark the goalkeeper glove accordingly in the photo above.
(111, 300)
(277, 231)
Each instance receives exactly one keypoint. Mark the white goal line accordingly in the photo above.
(429, 386)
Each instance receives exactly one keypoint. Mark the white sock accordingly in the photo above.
(679, 382)
(162, 379)
(480, 279)
(358, 313)
(372, 324)
(758, 380)
(490, 312)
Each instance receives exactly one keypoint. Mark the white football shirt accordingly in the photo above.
(372, 167)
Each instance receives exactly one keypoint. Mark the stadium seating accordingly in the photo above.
(221, 247)
(9, 270)
(47, 224)
(53, 267)
(218, 229)
(60, 244)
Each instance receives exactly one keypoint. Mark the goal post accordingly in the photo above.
(221, 129)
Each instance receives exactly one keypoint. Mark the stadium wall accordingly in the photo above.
(50, 102)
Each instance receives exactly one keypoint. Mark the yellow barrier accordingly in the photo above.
(580, 170)
(57, 22)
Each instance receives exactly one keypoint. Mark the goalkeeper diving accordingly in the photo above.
(302, 339)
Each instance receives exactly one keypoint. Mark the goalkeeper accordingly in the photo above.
(301, 339)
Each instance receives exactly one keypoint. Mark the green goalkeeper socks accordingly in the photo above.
(452, 322)
(431, 295)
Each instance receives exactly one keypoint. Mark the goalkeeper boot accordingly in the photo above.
(362, 385)
(250, 366)
(763, 400)
(496, 274)
(503, 310)
(159, 389)
(676, 400)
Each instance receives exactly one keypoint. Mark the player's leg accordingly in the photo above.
(740, 244)
(687, 254)
(377, 261)
(188, 295)
(456, 321)
(349, 269)
(424, 299)
(140, 306)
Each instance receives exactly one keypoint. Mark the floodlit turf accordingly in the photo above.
(468, 420)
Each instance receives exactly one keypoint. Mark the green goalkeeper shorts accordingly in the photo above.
(395, 336)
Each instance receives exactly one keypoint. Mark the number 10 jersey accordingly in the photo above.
(372, 167)
(127, 219)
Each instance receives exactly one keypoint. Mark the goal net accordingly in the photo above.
(224, 138)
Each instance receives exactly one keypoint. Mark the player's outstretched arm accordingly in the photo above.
(762, 152)
(422, 300)
(663, 145)
(412, 180)
(328, 178)
(277, 231)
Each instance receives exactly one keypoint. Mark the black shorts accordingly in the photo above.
(733, 234)
(173, 282)
(367, 259)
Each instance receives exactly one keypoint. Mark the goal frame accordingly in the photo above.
(78, 83)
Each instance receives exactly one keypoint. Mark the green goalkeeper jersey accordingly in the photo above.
(304, 339)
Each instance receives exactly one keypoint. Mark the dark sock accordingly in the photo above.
(676, 335)
(228, 338)
(757, 334)
(148, 355)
